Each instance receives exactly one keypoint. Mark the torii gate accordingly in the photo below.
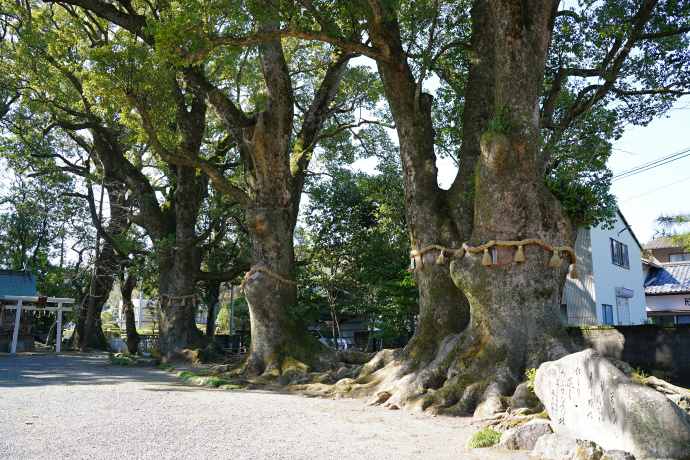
(40, 305)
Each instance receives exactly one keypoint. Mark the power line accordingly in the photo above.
(656, 189)
(652, 164)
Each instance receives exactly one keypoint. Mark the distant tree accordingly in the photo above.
(240, 316)
(83, 128)
(356, 244)
(39, 226)
(676, 227)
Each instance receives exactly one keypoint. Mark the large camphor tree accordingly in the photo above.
(531, 89)
(271, 149)
(539, 94)
(72, 101)
(477, 334)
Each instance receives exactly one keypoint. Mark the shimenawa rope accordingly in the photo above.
(268, 272)
(162, 299)
(555, 261)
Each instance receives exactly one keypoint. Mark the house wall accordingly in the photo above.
(148, 318)
(349, 327)
(578, 294)
(669, 302)
(666, 305)
(647, 346)
(610, 276)
(661, 255)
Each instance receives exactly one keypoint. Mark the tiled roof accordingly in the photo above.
(651, 263)
(672, 278)
(17, 282)
(661, 243)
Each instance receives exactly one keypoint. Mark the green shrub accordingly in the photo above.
(531, 375)
(121, 359)
(484, 438)
(111, 329)
(663, 374)
(204, 380)
(639, 371)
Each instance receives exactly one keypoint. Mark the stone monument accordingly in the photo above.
(586, 397)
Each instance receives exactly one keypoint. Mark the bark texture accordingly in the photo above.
(480, 326)
(274, 161)
(126, 287)
(88, 330)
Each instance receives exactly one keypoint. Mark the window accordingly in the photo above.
(679, 257)
(607, 314)
(619, 253)
(667, 319)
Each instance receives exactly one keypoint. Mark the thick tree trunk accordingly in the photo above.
(474, 342)
(443, 309)
(178, 269)
(276, 333)
(212, 300)
(514, 305)
(274, 173)
(435, 216)
(89, 330)
(126, 288)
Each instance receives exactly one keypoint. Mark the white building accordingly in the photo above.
(610, 288)
(145, 319)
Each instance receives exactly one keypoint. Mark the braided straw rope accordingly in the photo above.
(161, 299)
(458, 253)
(125, 305)
(268, 272)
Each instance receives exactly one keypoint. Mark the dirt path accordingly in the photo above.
(75, 407)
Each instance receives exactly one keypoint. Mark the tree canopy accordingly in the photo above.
(218, 110)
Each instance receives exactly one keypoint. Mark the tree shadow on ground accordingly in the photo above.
(32, 370)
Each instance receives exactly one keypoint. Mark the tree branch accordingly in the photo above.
(219, 182)
(668, 33)
(207, 232)
(264, 36)
(342, 128)
(132, 22)
(668, 89)
(312, 10)
(446, 47)
(570, 14)
(427, 53)
(226, 276)
(316, 115)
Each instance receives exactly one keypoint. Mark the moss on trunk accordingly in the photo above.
(480, 326)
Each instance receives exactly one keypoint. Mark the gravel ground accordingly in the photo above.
(75, 407)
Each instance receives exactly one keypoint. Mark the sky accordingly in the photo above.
(665, 189)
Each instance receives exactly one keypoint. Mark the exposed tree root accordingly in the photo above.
(323, 370)
(471, 374)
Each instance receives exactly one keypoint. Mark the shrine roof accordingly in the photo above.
(17, 282)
